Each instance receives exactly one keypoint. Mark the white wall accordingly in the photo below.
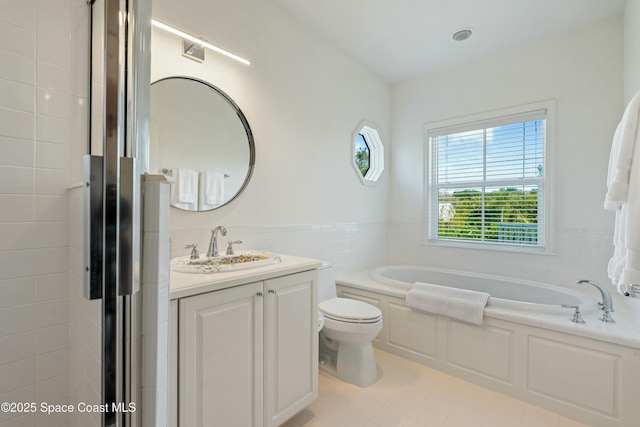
(631, 49)
(43, 53)
(303, 99)
(582, 72)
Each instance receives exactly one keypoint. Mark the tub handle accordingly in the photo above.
(577, 317)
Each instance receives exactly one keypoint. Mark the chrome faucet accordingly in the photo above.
(213, 243)
(607, 303)
(629, 290)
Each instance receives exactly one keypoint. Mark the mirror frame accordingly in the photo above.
(247, 128)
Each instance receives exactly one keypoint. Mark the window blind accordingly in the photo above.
(487, 181)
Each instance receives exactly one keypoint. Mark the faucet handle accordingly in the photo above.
(606, 316)
(194, 251)
(230, 247)
(577, 317)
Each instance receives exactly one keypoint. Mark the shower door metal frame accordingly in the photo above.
(113, 205)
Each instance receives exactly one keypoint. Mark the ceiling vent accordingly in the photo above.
(462, 34)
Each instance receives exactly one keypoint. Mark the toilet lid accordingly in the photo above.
(349, 310)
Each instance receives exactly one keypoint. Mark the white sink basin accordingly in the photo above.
(242, 260)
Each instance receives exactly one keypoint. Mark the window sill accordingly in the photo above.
(517, 249)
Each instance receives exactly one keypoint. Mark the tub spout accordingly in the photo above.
(629, 290)
(607, 303)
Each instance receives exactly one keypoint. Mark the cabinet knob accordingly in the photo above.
(271, 291)
(260, 294)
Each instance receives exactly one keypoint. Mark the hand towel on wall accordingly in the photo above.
(184, 191)
(623, 196)
(210, 190)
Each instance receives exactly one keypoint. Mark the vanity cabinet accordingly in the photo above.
(247, 354)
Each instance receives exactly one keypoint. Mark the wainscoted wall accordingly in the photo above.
(43, 107)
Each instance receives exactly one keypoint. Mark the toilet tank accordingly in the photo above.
(326, 282)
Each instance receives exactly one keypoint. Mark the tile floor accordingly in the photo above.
(412, 395)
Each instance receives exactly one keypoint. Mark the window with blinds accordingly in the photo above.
(487, 181)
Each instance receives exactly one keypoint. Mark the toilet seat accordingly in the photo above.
(350, 311)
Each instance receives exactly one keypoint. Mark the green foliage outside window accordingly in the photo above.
(510, 214)
(362, 160)
(362, 154)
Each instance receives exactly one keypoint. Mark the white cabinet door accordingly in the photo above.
(221, 358)
(291, 347)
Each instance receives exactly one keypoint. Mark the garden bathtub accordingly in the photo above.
(527, 346)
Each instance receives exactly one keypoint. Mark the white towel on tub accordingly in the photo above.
(461, 304)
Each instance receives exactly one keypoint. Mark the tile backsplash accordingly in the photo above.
(349, 246)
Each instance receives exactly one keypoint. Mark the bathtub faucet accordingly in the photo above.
(607, 303)
(629, 290)
(213, 243)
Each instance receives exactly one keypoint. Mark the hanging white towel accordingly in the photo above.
(461, 304)
(622, 156)
(184, 191)
(623, 196)
(211, 190)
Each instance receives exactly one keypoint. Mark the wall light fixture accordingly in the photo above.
(198, 41)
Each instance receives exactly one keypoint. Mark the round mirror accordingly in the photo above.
(201, 141)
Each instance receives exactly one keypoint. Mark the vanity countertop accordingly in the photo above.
(188, 284)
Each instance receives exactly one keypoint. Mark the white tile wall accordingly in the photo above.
(17, 39)
(52, 286)
(16, 347)
(42, 113)
(16, 67)
(15, 180)
(350, 246)
(18, 153)
(17, 291)
(155, 305)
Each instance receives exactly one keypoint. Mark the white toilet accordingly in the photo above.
(345, 339)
